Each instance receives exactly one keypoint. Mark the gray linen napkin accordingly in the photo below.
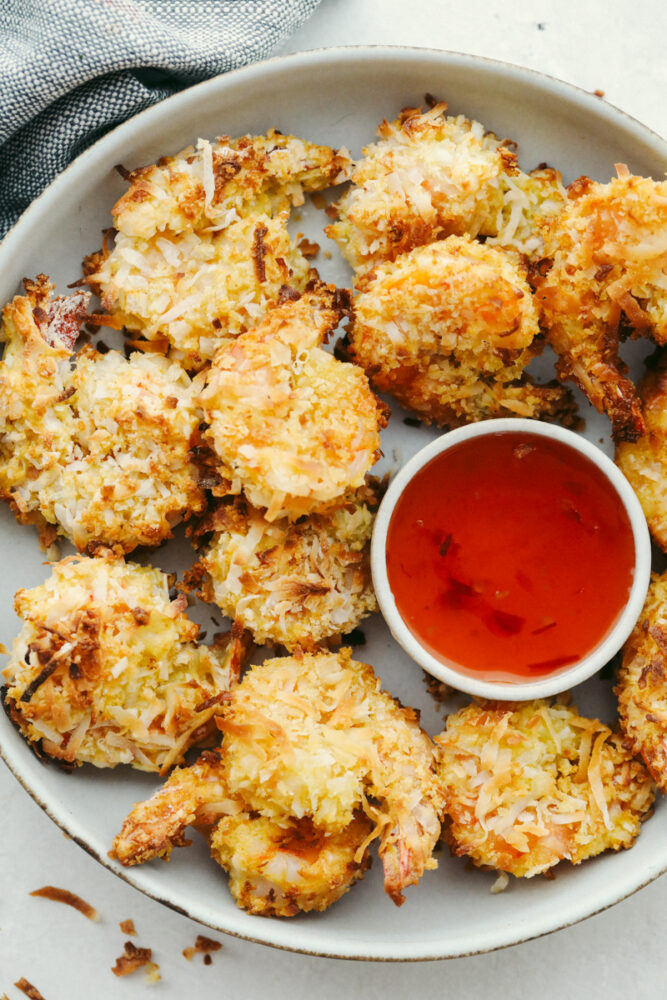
(70, 70)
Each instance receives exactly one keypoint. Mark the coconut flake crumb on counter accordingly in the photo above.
(134, 958)
(30, 991)
(69, 898)
(202, 946)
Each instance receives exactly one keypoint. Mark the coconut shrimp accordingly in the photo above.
(106, 669)
(191, 290)
(314, 737)
(642, 683)
(448, 330)
(131, 476)
(290, 425)
(36, 421)
(644, 462)
(295, 583)
(431, 176)
(529, 785)
(606, 275)
(276, 868)
(216, 183)
(277, 871)
(98, 447)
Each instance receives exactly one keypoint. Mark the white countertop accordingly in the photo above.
(617, 47)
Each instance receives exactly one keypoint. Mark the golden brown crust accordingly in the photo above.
(606, 255)
(448, 330)
(99, 452)
(642, 683)
(432, 176)
(294, 583)
(281, 871)
(218, 181)
(191, 290)
(290, 425)
(528, 785)
(106, 669)
(644, 462)
(308, 737)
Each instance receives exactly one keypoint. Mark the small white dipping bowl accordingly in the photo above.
(567, 677)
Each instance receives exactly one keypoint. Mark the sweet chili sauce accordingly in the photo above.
(510, 556)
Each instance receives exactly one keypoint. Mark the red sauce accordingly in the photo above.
(510, 556)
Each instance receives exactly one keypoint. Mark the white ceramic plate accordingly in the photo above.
(337, 97)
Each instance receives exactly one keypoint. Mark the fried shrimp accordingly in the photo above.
(197, 795)
(644, 462)
(36, 421)
(432, 176)
(99, 452)
(218, 183)
(193, 289)
(277, 871)
(313, 738)
(642, 683)
(131, 477)
(290, 425)
(448, 330)
(276, 868)
(291, 583)
(529, 785)
(106, 668)
(607, 259)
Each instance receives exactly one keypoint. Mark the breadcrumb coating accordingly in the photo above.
(277, 871)
(101, 451)
(194, 289)
(196, 795)
(642, 683)
(607, 253)
(131, 478)
(298, 583)
(529, 785)
(448, 330)
(36, 420)
(106, 669)
(316, 736)
(432, 176)
(644, 462)
(216, 183)
(290, 425)
(309, 737)
(277, 867)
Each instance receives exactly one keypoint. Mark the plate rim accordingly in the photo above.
(346, 948)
